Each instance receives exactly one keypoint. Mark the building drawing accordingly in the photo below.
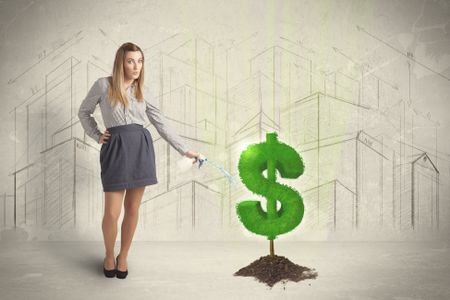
(364, 168)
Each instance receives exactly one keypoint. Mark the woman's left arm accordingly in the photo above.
(165, 131)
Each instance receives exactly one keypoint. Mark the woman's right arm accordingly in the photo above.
(87, 107)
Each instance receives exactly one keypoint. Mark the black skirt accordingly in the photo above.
(127, 159)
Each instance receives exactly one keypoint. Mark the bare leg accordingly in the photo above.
(132, 203)
(113, 207)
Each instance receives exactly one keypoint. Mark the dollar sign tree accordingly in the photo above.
(271, 155)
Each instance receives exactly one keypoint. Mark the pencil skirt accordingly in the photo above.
(127, 159)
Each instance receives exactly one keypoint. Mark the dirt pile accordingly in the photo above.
(272, 269)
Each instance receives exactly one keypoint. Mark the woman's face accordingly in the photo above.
(132, 64)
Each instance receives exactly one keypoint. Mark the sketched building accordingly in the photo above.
(183, 209)
(184, 202)
(179, 203)
(417, 205)
(276, 75)
(250, 126)
(52, 158)
(331, 204)
(348, 173)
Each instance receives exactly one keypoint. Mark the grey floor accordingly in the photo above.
(203, 270)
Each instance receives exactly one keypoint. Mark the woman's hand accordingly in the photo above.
(104, 137)
(195, 155)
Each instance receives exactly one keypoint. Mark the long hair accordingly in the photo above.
(116, 90)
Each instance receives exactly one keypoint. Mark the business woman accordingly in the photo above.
(127, 156)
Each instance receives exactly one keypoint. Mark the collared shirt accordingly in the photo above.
(119, 115)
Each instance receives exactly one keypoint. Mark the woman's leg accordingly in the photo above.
(132, 203)
(113, 207)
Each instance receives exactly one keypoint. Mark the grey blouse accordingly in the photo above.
(119, 115)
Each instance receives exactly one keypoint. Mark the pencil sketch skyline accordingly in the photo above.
(364, 101)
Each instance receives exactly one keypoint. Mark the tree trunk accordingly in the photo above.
(272, 251)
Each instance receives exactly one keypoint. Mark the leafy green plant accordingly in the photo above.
(271, 155)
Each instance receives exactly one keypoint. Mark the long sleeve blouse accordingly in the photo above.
(137, 112)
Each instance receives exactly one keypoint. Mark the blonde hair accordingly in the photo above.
(116, 91)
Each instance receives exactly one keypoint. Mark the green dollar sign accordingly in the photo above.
(270, 155)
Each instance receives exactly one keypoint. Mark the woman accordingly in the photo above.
(127, 157)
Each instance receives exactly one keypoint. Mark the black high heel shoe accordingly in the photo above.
(120, 274)
(109, 273)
